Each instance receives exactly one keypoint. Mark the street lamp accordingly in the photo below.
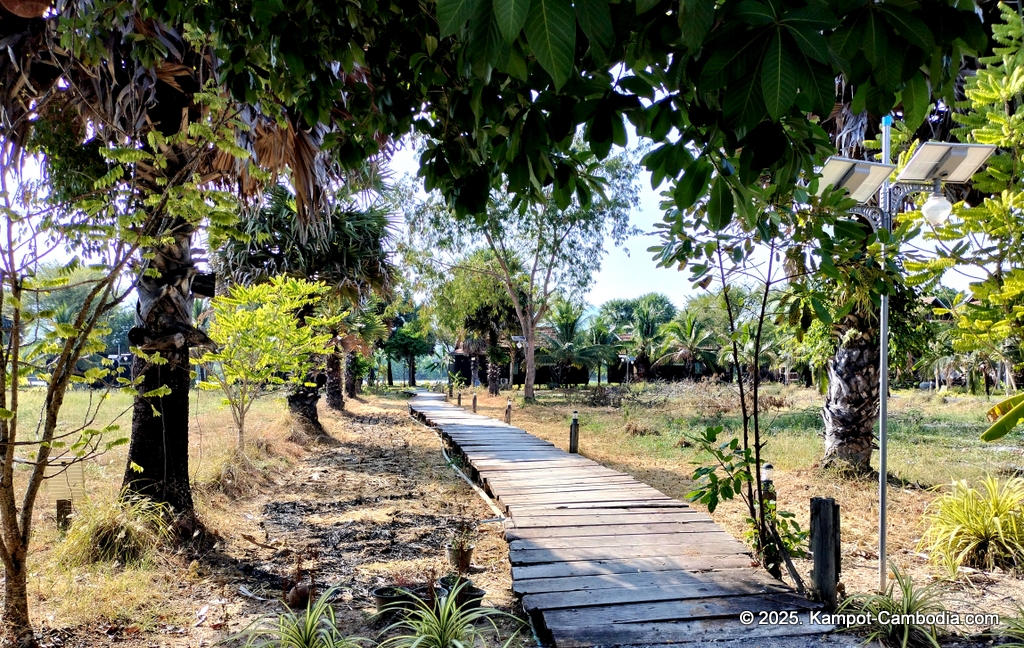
(932, 164)
(628, 359)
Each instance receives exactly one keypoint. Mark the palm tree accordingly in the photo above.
(686, 341)
(649, 313)
(601, 333)
(569, 346)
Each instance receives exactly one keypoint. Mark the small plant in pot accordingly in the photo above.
(460, 549)
(394, 597)
(466, 594)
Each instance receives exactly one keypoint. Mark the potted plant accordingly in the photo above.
(394, 597)
(460, 549)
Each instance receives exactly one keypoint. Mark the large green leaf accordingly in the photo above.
(696, 18)
(753, 12)
(916, 100)
(778, 78)
(909, 26)
(596, 21)
(875, 40)
(1002, 408)
(551, 32)
(643, 6)
(511, 16)
(719, 209)
(744, 104)
(1008, 413)
(453, 14)
(692, 185)
(810, 41)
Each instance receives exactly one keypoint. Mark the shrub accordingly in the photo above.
(314, 627)
(448, 625)
(1013, 631)
(911, 600)
(978, 527)
(127, 531)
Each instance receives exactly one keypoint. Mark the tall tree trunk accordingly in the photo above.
(391, 377)
(642, 367)
(851, 403)
(159, 442)
(531, 365)
(335, 398)
(412, 370)
(16, 618)
(493, 372)
(350, 374)
(474, 370)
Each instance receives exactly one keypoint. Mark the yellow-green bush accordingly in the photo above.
(979, 527)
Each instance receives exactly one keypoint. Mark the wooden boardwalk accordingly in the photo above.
(602, 559)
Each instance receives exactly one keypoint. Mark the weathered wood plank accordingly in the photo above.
(684, 610)
(526, 522)
(616, 529)
(595, 567)
(634, 580)
(712, 543)
(654, 593)
(580, 635)
(656, 539)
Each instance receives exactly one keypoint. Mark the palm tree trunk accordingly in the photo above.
(350, 374)
(493, 372)
(851, 403)
(531, 365)
(391, 377)
(159, 442)
(335, 398)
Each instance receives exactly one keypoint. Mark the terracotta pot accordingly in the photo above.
(26, 8)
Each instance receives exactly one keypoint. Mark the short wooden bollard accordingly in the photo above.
(574, 433)
(64, 510)
(474, 403)
(825, 548)
(450, 388)
(508, 412)
(459, 399)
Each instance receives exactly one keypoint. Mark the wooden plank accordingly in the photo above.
(606, 508)
(701, 630)
(659, 611)
(655, 593)
(564, 487)
(532, 521)
(654, 539)
(612, 498)
(635, 580)
(595, 567)
(616, 529)
(717, 543)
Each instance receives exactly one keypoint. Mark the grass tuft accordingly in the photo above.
(127, 530)
(314, 627)
(977, 527)
(447, 625)
(889, 612)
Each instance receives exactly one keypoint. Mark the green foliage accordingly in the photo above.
(127, 531)
(569, 346)
(901, 598)
(736, 465)
(978, 527)
(445, 625)
(314, 627)
(1004, 416)
(1012, 631)
(262, 343)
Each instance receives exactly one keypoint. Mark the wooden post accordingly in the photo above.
(63, 514)
(574, 433)
(450, 387)
(474, 403)
(459, 401)
(825, 548)
(508, 412)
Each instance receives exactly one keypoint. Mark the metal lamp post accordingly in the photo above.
(933, 164)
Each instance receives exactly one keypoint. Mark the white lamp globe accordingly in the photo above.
(936, 210)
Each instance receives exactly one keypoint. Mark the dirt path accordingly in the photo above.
(375, 509)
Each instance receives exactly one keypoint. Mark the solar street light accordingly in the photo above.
(861, 178)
